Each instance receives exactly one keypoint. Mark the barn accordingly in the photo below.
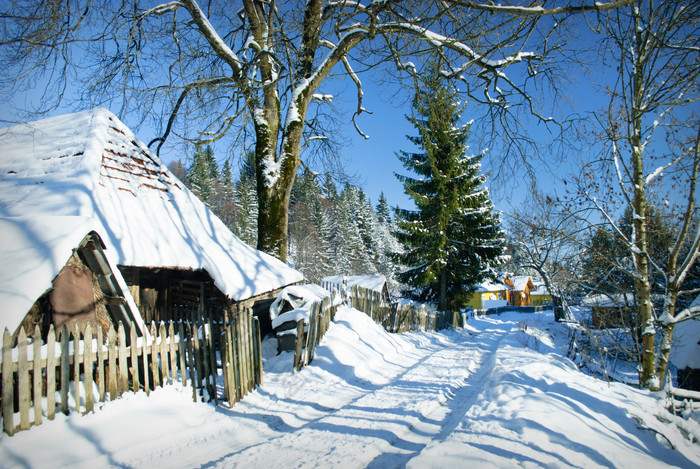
(85, 179)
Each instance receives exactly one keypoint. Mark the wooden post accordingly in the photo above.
(51, 373)
(258, 352)
(65, 370)
(183, 355)
(145, 364)
(173, 352)
(196, 373)
(123, 371)
(76, 367)
(135, 383)
(23, 380)
(154, 356)
(100, 365)
(87, 369)
(112, 359)
(8, 385)
(298, 345)
(164, 361)
(37, 375)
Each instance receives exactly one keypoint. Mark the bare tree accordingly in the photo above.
(545, 237)
(260, 66)
(651, 138)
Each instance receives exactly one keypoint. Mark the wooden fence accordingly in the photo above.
(73, 370)
(321, 315)
(404, 317)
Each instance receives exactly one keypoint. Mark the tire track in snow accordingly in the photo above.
(388, 425)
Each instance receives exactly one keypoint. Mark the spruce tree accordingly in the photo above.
(247, 201)
(453, 236)
(203, 175)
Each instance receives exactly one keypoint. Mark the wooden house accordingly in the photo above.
(540, 295)
(489, 294)
(611, 309)
(520, 288)
(168, 247)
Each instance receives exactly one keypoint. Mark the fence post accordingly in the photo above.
(8, 385)
(37, 375)
(51, 373)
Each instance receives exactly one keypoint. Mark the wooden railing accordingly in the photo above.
(36, 372)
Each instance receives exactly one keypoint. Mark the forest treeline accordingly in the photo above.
(332, 231)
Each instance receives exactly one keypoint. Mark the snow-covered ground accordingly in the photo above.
(499, 393)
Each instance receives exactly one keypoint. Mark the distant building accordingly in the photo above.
(520, 288)
(489, 294)
(540, 295)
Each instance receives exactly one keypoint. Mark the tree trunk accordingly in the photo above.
(665, 339)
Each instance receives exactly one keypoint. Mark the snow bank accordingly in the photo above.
(498, 393)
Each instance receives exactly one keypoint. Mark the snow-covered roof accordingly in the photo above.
(686, 343)
(489, 285)
(370, 282)
(520, 282)
(609, 300)
(88, 169)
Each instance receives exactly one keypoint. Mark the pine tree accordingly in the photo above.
(351, 255)
(454, 236)
(247, 201)
(202, 176)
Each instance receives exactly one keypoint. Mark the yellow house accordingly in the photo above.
(540, 295)
(489, 295)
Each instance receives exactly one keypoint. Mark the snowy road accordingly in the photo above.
(388, 423)
(497, 393)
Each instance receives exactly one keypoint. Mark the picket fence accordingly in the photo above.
(73, 370)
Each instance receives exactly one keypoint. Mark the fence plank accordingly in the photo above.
(76, 367)
(65, 370)
(258, 352)
(112, 353)
(8, 385)
(173, 352)
(87, 369)
(144, 363)
(298, 345)
(154, 355)
(192, 361)
(183, 356)
(37, 375)
(206, 365)
(23, 380)
(100, 365)
(164, 361)
(123, 370)
(135, 382)
(51, 373)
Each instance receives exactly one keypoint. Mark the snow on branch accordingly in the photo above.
(207, 30)
(540, 10)
(161, 9)
(360, 94)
